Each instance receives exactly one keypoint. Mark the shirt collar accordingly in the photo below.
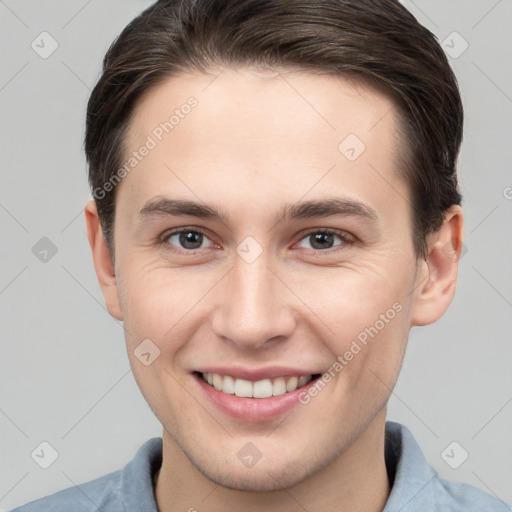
(137, 477)
(410, 475)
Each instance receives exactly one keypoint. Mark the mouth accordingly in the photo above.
(253, 401)
(259, 389)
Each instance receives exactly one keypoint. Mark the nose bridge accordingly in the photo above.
(252, 310)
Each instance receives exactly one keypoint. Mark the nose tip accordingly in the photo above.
(253, 308)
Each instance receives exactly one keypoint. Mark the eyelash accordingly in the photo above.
(345, 238)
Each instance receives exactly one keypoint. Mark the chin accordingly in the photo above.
(265, 476)
(252, 480)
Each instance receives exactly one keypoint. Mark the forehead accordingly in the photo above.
(259, 130)
(261, 101)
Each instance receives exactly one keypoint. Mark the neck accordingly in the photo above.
(356, 480)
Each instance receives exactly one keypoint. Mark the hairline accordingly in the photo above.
(403, 144)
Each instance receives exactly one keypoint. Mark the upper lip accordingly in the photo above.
(255, 374)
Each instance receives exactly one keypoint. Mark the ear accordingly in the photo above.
(437, 274)
(102, 261)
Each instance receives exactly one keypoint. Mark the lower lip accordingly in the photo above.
(252, 410)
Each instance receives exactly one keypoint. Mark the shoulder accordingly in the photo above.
(460, 497)
(125, 490)
(102, 493)
(418, 487)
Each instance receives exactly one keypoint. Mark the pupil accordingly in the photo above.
(191, 240)
(321, 240)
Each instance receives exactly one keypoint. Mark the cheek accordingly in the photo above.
(365, 317)
(156, 305)
(157, 301)
(349, 300)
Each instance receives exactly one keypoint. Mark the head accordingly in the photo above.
(275, 191)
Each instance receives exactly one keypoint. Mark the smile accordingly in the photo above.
(265, 388)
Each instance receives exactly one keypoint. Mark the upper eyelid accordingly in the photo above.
(175, 231)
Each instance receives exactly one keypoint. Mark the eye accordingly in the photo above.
(323, 239)
(188, 239)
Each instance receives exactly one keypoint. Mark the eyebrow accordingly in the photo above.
(162, 206)
(328, 207)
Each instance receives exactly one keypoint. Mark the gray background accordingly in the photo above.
(64, 371)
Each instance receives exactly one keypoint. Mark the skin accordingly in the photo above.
(295, 305)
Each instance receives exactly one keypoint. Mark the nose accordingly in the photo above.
(254, 307)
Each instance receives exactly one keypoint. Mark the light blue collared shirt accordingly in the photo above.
(415, 485)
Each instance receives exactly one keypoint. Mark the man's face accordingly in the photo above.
(273, 287)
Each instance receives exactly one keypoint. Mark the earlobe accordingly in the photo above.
(103, 264)
(437, 274)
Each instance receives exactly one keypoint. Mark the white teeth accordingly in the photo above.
(260, 389)
(243, 388)
(279, 387)
(292, 384)
(217, 381)
(303, 380)
(228, 385)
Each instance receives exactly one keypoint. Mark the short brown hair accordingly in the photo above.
(376, 40)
